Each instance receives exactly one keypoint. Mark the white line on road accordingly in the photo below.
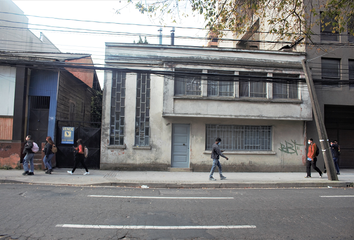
(159, 197)
(333, 196)
(152, 227)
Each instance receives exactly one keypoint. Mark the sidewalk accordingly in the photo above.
(157, 179)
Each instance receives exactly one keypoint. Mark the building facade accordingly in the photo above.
(163, 107)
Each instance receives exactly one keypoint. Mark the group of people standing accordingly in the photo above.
(28, 165)
(313, 152)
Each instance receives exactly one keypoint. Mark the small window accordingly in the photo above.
(351, 29)
(240, 137)
(188, 82)
(117, 108)
(330, 71)
(252, 84)
(285, 88)
(220, 84)
(328, 32)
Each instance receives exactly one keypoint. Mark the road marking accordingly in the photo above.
(333, 196)
(159, 197)
(152, 227)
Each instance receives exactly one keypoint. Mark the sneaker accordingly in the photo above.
(31, 173)
(321, 175)
(338, 173)
(212, 179)
(222, 177)
(86, 173)
(49, 171)
(70, 172)
(307, 176)
(25, 173)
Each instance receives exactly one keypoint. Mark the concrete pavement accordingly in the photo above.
(164, 179)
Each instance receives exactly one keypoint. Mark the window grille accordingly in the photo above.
(240, 138)
(142, 121)
(221, 86)
(330, 71)
(40, 102)
(187, 82)
(351, 73)
(250, 86)
(286, 89)
(117, 108)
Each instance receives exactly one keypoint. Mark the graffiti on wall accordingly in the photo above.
(290, 147)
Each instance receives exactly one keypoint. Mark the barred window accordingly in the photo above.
(351, 73)
(220, 85)
(187, 82)
(240, 138)
(117, 108)
(142, 120)
(250, 86)
(330, 68)
(286, 89)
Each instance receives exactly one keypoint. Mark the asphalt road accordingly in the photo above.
(54, 212)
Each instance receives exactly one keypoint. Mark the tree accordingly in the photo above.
(286, 19)
(141, 41)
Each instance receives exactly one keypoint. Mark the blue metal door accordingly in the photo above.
(180, 145)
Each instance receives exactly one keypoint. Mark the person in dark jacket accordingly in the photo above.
(48, 155)
(335, 154)
(28, 159)
(215, 154)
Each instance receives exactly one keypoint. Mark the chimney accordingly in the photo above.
(173, 36)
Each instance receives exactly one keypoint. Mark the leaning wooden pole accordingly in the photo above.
(321, 129)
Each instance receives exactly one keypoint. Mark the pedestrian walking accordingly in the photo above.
(28, 159)
(312, 154)
(79, 157)
(47, 160)
(215, 154)
(335, 155)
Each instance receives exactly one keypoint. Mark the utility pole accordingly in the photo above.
(321, 130)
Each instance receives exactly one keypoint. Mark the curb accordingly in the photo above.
(195, 185)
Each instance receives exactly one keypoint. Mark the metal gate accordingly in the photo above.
(91, 137)
(38, 118)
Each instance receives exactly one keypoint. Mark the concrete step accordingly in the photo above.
(171, 169)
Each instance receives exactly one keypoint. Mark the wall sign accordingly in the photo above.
(67, 135)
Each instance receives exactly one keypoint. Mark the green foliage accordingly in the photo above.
(287, 19)
(96, 107)
(141, 41)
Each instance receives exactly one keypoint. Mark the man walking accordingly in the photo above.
(215, 154)
(28, 159)
(312, 158)
(335, 154)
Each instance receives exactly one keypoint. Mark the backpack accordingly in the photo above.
(317, 151)
(54, 149)
(86, 152)
(35, 147)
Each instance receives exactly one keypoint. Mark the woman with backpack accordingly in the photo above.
(48, 151)
(28, 159)
(79, 157)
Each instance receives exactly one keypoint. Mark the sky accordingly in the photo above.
(100, 21)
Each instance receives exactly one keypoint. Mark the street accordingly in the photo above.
(57, 212)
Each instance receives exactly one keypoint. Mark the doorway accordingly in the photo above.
(180, 145)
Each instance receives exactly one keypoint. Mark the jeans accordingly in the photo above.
(215, 163)
(28, 159)
(48, 161)
(336, 164)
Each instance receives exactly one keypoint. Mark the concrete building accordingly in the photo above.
(330, 56)
(163, 107)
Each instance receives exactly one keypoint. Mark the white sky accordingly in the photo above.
(100, 11)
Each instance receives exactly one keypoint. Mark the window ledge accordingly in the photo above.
(117, 146)
(242, 99)
(142, 148)
(245, 152)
